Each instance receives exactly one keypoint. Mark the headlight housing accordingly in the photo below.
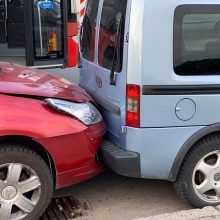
(84, 112)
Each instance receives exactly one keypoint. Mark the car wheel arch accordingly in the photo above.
(32, 144)
(190, 142)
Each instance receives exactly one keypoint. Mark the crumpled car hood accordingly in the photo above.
(19, 80)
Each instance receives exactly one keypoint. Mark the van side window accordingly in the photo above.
(197, 40)
(88, 30)
(111, 44)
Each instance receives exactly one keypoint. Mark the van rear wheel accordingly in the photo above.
(26, 184)
(198, 182)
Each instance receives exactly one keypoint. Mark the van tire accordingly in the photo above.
(185, 185)
(33, 166)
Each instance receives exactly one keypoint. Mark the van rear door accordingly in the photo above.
(112, 66)
(103, 39)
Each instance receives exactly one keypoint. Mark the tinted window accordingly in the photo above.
(89, 29)
(197, 40)
(111, 34)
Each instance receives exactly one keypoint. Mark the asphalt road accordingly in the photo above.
(113, 197)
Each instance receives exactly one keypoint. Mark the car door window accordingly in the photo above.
(89, 30)
(113, 16)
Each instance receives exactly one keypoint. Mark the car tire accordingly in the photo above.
(198, 182)
(26, 183)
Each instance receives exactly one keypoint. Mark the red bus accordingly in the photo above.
(39, 33)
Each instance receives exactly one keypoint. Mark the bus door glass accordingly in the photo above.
(48, 30)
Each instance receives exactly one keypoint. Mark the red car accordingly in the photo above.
(50, 132)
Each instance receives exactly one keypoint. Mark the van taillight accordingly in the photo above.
(133, 106)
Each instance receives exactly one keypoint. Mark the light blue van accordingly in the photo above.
(154, 68)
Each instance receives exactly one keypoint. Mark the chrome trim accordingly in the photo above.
(47, 66)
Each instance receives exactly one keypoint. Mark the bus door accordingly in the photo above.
(49, 24)
(44, 38)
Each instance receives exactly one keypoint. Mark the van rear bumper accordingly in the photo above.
(126, 163)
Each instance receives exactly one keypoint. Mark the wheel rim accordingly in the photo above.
(206, 178)
(20, 191)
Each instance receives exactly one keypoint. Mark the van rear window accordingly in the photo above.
(197, 40)
(111, 34)
(88, 30)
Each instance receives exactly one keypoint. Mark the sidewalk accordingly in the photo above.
(207, 213)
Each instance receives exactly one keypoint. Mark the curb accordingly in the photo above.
(193, 214)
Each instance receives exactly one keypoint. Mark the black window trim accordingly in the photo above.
(179, 13)
(205, 89)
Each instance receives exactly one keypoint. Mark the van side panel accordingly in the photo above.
(153, 55)
(135, 42)
(164, 110)
(158, 148)
(168, 119)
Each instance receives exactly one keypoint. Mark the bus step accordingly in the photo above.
(65, 208)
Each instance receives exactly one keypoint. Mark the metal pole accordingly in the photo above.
(40, 29)
(6, 17)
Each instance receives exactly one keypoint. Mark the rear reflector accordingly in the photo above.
(133, 106)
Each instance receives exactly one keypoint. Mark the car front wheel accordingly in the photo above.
(26, 184)
(198, 182)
